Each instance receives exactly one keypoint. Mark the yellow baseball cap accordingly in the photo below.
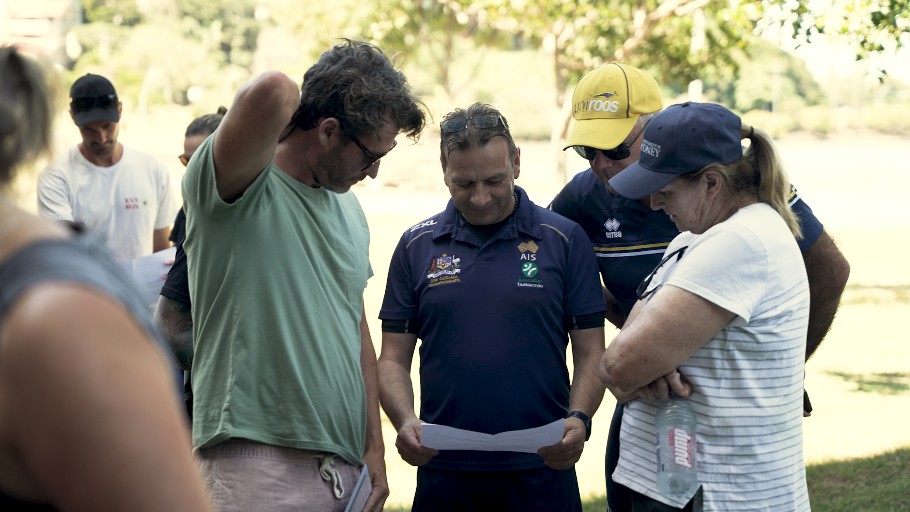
(607, 102)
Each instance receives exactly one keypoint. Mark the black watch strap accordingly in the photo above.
(585, 419)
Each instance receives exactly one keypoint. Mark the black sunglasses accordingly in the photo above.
(642, 292)
(91, 102)
(372, 157)
(458, 123)
(620, 152)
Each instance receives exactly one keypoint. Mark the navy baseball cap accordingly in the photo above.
(93, 98)
(682, 139)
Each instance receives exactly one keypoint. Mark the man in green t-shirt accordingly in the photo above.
(284, 371)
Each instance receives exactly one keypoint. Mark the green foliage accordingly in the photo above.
(869, 26)
(536, 50)
(892, 118)
(816, 120)
(227, 27)
(774, 124)
(768, 79)
(114, 12)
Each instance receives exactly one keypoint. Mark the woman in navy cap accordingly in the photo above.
(722, 319)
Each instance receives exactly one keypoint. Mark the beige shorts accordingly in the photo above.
(245, 476)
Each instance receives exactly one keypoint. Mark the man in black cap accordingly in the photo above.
(122, 194)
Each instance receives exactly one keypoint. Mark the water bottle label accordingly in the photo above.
(681, 443)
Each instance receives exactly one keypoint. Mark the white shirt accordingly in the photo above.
(125, 202)
(748, 379)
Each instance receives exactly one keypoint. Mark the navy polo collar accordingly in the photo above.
(526, 221)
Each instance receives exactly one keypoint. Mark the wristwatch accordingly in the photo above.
(585, 419)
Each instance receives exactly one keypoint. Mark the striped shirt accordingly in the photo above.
(748, 379)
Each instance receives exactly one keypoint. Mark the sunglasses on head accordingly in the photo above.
(458, 123)
(620, 152)
(92, 102)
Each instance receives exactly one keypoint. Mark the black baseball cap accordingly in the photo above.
(93, 98)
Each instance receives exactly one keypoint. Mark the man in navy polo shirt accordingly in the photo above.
(495, 287)
(611, 107)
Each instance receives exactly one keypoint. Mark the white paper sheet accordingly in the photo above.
(441, 437)
(150, 271)
(361, 493)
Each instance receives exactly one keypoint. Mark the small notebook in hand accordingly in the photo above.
(361, 492)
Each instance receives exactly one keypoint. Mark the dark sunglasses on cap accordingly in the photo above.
(620, 152)
(458, 123)
(92, 102)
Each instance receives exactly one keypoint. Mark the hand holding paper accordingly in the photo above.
(529, 440)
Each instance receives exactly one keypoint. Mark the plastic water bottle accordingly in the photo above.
(677, 473)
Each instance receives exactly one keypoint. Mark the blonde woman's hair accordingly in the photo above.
(760, 172)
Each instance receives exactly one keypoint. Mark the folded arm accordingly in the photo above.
(658, 337)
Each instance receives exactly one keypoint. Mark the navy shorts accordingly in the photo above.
(541, 489)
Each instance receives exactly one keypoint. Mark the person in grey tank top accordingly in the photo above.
(88, 415)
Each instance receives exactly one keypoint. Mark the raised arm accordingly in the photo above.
(248, 135)
(828, 270)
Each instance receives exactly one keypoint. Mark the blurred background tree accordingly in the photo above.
(525, 55)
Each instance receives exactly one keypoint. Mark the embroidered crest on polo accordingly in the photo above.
(529, 246)
(529, 268)
(444, 269)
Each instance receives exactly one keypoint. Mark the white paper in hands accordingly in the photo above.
(441, 437)
(150, 272)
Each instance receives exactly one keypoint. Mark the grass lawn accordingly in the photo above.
(880, 483)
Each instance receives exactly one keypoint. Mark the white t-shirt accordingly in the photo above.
(748, 379)
(124, 203)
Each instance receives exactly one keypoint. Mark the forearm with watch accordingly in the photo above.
(584, 419)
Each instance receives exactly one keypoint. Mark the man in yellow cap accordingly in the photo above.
(611, 107)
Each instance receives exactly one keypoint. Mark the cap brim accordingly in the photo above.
(637, 181)
(600, 133)
(97, 114)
